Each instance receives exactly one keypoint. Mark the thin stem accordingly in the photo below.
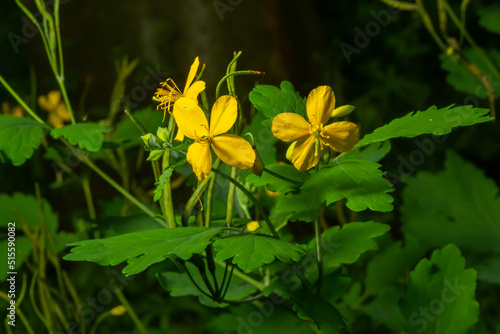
(210, 195)
(284, 178)
(130, 310)
(252, 198)
(167, 189)
(58, 37)
(194, 282)
(115, 185)
(470, 40)
(20, 101)
(244, 277)
(217, 90)
(428, 24)
(400, 5)
(319, 256)
(88, 197)
(99, 319)
(230, 199)
(194, 199)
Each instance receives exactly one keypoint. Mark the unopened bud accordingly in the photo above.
(343, 111)
(163, 133)
(145, 138)
(118, 310)
(253, 226)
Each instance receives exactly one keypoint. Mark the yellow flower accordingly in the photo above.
(311, 136)
(169, 92)
(231, 149)
(58, 113)
(15, 111)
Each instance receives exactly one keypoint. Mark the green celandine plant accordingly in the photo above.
(229, 243)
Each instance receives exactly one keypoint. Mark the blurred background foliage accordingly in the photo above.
(398, 71)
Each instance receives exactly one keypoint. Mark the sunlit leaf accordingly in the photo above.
(142, 249)
(359, 181)
(88, 136)
(271, 101)
(19, 137)
(432, 121)
(250, 251)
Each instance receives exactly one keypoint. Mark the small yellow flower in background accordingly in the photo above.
(253, 226)
(231, 149)
(118, 310)
(15, 111)
(311, 136)
(58, 113)
(169, 93)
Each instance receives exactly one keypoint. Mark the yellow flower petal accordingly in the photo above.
(54, 98)
(234, 151)
(303, 157)
(192, 73)
(190, 118)
(179, 136)
(223, 116)
(195, 89)
(340, 136)
(320, 104)
(200, 158)
(290, 127)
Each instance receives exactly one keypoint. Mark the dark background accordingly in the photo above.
(396, 71)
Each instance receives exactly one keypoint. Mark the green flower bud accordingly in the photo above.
(343, 111)
(163, 133)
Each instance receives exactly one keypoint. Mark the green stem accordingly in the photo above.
(428, 24)
(252, 198)
(244, 277)
(130, 311)
(230, 199)
(217, 90)
(88, 197)
(115, 185)
(167, 189)
(319, 257)
(210, 194)
(470, 40)
(99, 320)
(20, 101)
(284, 178)
(194, 199)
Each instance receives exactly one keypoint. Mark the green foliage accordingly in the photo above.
(359, 181)
(345, 245)
(88, 136)
(127, 131)
(165, 175)
(463, 80)
(25, 209)
(142, 249)
(276, 184)
(179, 284)
(440, 297)
(433, 120)
(271, 101)
(374, 152)
(464, 207)
(488, 18)
(251, 251)
(19, 137)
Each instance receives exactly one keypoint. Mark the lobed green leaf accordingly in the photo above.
(88, 136)
(19, 137)
(143, 249)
